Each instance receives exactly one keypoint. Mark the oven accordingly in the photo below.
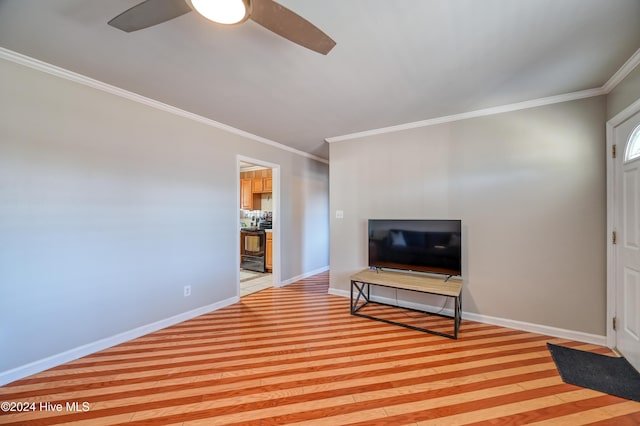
(253, 244)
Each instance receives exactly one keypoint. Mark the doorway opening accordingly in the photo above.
(257, 214)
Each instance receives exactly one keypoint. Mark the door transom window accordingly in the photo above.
(633, 146)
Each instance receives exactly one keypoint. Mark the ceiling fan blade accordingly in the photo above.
(149, 13)
(291, 26)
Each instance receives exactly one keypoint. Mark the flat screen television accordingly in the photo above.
(433, 246)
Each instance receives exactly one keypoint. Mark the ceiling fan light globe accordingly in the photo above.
(226, 12)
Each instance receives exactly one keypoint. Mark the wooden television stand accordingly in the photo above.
(361, 294)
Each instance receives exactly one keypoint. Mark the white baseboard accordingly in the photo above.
(341, 293)
(303, 276)
(73, 354)
(562, 333)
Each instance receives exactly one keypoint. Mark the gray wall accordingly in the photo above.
(624, 94)
(109, 207)
(529, 187)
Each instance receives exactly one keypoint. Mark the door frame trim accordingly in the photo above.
(612, 210)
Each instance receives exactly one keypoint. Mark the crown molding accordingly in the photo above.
(473, 114)
(605, 89)
(45, 67)
(624, 71)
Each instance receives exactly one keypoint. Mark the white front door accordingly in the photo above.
(627, 248)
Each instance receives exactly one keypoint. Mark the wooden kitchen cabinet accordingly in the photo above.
(257, 185)
(261, 180)
(253, 185)
(262, 185)
(267, 184)
(269, 253)
(246, 194)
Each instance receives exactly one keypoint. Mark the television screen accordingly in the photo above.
(416, 245)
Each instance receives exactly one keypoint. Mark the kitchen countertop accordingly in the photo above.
(255, 229)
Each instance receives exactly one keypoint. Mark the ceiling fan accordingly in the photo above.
(267, 13)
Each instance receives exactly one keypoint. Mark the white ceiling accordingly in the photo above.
(395, 62)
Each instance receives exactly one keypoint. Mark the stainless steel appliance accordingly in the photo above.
(253, 242)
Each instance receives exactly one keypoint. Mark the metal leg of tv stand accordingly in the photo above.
(457, 314)
(360, 293)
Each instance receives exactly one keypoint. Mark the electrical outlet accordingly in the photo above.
(187, 290)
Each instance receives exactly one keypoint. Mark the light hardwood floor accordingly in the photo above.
(294, 355)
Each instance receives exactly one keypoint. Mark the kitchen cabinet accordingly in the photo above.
(253, 186)
(269, 253)
(261, 180)
(246, 194)
(267, 184)
(262, 185)
(257, 185)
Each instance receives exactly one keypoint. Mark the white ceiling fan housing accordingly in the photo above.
(227, 12)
